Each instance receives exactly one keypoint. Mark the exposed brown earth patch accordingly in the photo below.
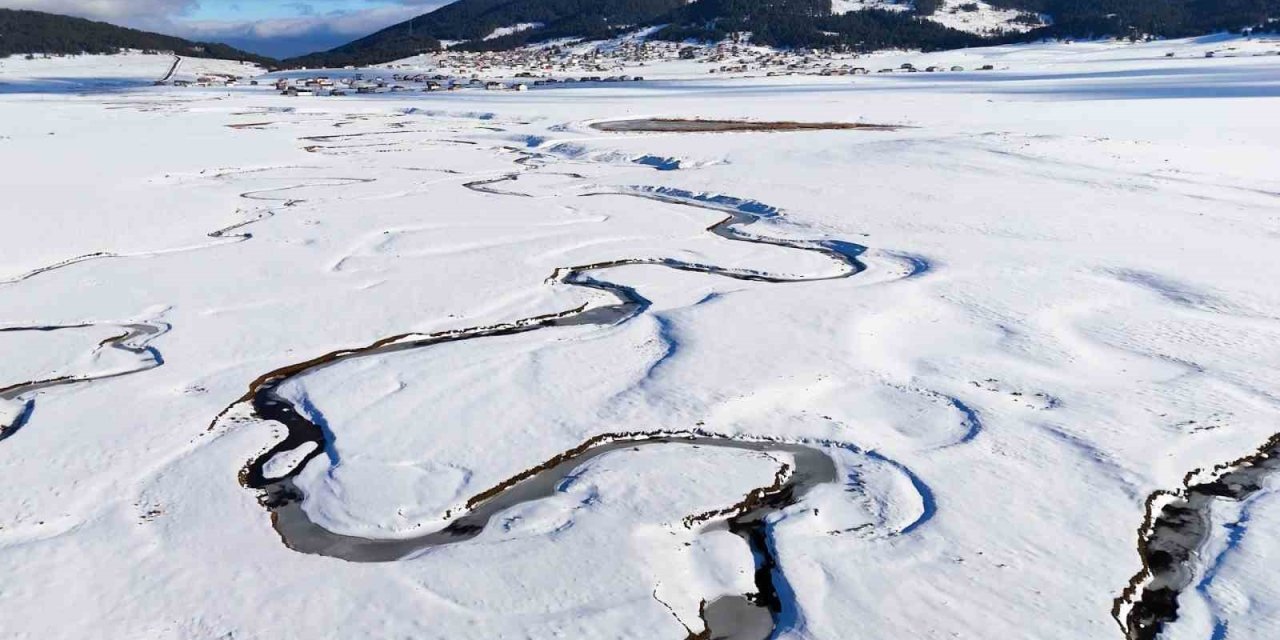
(680, 125)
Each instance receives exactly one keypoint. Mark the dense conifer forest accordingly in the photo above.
(36, 32)
(784, 23)
(803, 23)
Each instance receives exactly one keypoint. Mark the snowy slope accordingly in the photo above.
(982, 18)
(515, 28)
(95, 72)
(973, 16)
(1068, 303)
(839, 7)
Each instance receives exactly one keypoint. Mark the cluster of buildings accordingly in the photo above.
(562, 63)
(910, 68)
(615, 56)
(358, 83)
(811, 62)
(215, 80)
(600, 62)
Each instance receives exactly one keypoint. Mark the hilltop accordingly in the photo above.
(37, 32)
(857, 25)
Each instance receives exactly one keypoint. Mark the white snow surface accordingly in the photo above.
(839, 7)
(973, 16)
(1233, 595)
(981, 18)
(126, 70)
(515, 28)
(1069, 302)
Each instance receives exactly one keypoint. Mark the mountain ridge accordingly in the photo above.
(858, 25)
(868, 25)
(23, 31)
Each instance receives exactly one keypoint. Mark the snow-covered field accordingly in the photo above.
(978, 342)
(106, 73)
(515, 28)
(973, 16)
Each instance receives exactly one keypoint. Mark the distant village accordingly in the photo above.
(522, 69)
(211, 80)
(569, 63)
(324, 85)
(725, 57)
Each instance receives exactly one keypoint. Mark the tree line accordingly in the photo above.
(782, 23)
(23, 31)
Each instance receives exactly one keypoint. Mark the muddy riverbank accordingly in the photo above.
(679, 125)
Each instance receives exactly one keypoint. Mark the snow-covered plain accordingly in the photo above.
(1068, 303)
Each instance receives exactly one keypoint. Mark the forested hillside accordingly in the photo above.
(785, 23)
(810, 23)
(472, 20)
(1164, 18)
(38, 32)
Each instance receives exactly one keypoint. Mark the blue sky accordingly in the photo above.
(272, 27)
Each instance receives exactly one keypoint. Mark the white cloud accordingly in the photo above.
(108, 10)
(286, 37)
(310, 31)
(351, 23)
